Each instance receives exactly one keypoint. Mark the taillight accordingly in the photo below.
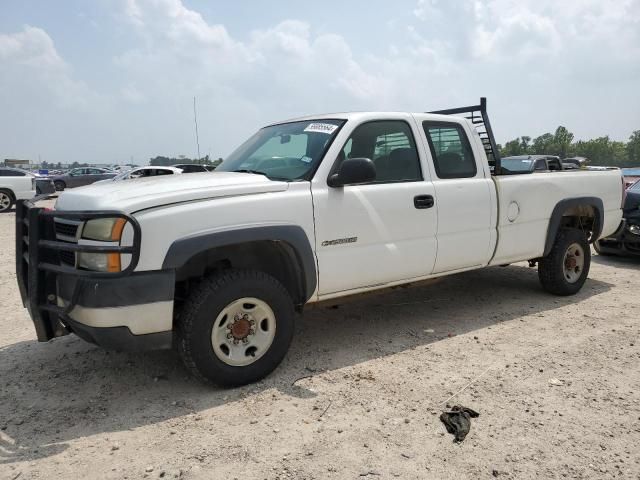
(33, 183)
(624, 191)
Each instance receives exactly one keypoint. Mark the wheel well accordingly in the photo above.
(9, 192)
(275, 258)
(582, 217)
(585, 214)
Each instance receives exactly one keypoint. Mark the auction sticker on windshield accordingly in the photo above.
(321, 128)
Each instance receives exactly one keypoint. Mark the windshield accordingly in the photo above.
(288, 151)
(516, 165)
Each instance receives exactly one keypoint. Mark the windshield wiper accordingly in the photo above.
(258, 172)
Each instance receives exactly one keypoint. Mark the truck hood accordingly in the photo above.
(133, 195)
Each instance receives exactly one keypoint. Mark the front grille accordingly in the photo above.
(66, 229)
(68, 258)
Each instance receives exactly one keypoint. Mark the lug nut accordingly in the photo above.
(235, 341)
(245, 340)
(229, 335)
(252, 331)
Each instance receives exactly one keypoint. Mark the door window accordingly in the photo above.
(391, 147)
(541, 164)
(450, 149)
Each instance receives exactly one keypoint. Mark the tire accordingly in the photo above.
(565, 269)
(6, 200)
(599, 251)
(60, 185)
(211, 325)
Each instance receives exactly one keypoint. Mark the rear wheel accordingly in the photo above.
(60, 185)
(565, 269)
(6, 200)
(235, 327)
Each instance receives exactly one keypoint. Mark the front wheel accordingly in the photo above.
(6, 200)
(565, 269)
(60, 185)
(235, 327)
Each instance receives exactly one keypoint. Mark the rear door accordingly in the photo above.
(465, 196)
(382, 232)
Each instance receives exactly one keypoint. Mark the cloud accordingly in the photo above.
(32, 67)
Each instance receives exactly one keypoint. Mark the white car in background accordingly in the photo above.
(143, 172)
(15, 185)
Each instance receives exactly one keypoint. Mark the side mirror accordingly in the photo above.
(353, 171)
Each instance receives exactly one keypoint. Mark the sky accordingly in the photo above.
(113, 81)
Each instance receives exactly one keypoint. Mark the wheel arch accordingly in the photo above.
(575, 208)
(9, 191)
(284, 251)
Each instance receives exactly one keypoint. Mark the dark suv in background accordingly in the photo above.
(626, 241)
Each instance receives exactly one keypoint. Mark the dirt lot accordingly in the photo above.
(556, 382)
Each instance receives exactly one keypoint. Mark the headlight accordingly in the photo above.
(104, 229)
(635, 229)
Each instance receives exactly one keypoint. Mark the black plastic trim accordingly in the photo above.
(121, 338)
(562, 206)
(181, 251)
(136, 289)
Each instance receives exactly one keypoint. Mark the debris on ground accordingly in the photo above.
(458, 421)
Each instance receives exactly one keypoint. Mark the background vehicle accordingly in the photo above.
(631, 176)
(143, 172)
(191, 167)
(577, 162)
(306, 210)
(531, 163)
(78, 177)
(44, 186)
(15, 185)
(626, 240)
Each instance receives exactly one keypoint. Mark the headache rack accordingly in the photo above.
(477, 114)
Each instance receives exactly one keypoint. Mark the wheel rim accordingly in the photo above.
(573, 264)
(243, 331)
(5, 201)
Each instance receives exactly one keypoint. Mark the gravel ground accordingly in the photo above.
(556, 382)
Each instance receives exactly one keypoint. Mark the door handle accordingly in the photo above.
(423, 201)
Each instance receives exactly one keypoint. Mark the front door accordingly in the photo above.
(382, 232)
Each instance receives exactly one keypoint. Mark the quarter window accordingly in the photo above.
(450, 149)
(391, 147)
(11, 173)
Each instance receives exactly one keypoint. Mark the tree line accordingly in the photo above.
(599, 151)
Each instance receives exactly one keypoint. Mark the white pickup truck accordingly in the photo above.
(217, 264)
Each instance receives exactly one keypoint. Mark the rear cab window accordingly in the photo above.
(450, 149)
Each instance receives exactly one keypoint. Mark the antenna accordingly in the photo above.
(195, 120)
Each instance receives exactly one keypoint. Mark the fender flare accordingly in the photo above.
(303, 258)
(562, 206)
